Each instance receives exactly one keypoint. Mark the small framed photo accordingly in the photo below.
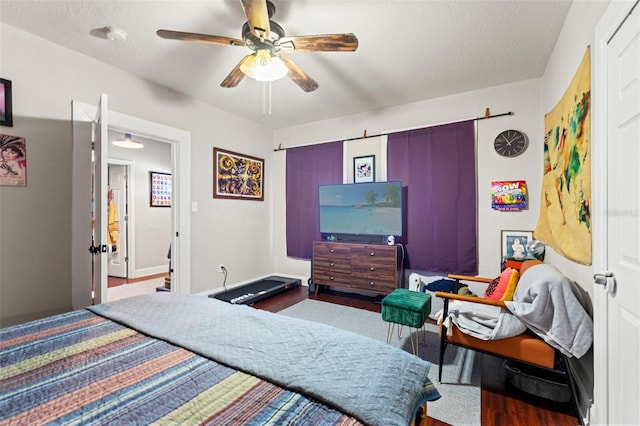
(6, 111)
(364, 169)
(514, 244)
(160, 189)
(237, 176)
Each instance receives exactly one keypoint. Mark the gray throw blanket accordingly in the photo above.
(545, 300)
(377, 383)
(483, 321)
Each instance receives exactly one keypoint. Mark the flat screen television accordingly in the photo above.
(361, 209)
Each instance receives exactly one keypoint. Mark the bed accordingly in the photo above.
(176, 359)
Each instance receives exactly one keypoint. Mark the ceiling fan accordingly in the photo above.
(268, 41)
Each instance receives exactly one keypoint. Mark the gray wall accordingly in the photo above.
(35, 221)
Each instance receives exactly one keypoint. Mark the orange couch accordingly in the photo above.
(526, 347)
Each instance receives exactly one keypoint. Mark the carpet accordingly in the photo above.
(460, 387)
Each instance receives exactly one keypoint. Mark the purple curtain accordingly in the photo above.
(308, 167)
(437, 165)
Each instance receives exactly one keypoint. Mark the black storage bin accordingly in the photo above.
(552, 385)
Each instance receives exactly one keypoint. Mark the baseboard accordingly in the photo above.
(154, 270)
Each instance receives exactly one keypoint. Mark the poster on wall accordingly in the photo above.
(564, 222)
(13, 160)
(237, 176)
(160, 195)
(509, 196)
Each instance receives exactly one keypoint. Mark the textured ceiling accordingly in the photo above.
(408, 50)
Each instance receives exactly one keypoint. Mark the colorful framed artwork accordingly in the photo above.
(160, 189)
(509, 196)
(237, 176)
(13, 160)
(364, 169)
(6, 111)
(514, 244)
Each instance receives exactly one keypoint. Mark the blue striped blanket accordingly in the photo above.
(151, 360)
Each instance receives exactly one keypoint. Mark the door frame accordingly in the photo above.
(180, 140)
(130, 212)
(606, 28)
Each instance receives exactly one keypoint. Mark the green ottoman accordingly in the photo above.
(406, 307)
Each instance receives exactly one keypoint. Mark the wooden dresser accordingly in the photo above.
(372, 268)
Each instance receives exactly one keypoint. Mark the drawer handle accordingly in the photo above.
(332, 264)
(372, 283)
(373, 254)
(330, 250)
(331, 278)
(372, 269)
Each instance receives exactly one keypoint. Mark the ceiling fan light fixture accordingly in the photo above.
(128, 142)
(262, 66)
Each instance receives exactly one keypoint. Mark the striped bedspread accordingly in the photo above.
(81, 368)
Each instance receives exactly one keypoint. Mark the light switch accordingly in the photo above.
(194, 206)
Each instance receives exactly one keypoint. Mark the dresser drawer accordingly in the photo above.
(374, 253)
(373, 270)
(377, 285)
(331, 250)
(328, 277)
(331, 265)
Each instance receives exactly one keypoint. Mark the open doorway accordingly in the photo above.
(91, 124)
(139, 213)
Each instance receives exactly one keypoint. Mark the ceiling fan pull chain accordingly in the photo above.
(266, 98)
(270, 97)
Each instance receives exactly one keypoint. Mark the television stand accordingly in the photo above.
(371, 268)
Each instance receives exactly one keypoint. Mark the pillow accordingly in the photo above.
(503, 287)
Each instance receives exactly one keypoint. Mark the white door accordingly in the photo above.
(117, 221)
(622, 257)
(99, 197)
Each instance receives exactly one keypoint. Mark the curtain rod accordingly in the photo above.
(365, 136)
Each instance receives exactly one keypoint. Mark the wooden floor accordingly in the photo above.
(116, 281)
(501, 403)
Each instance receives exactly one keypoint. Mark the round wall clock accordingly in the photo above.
(511, 143)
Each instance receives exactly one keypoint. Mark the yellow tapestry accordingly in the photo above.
(565, 208)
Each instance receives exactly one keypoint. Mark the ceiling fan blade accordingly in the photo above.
(258, 17)
(200, 38)
(298, 76)
(235, 76)
(347, 42)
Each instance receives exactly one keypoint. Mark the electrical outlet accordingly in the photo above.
(221, 268)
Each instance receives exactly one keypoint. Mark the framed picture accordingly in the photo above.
(6, 111)
(237, 176)
(364, 169)
(514, 244)
(160, 189)
(13, 160)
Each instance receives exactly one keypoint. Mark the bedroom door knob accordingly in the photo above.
(607, 280)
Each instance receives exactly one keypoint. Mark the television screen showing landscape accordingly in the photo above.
(373, 208)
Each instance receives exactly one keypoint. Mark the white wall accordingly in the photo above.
(35, 221)
(523, 98)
